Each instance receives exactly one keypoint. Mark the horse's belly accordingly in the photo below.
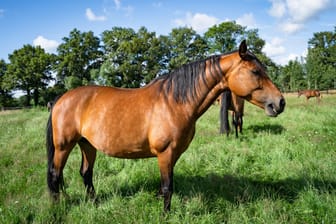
(129, 153)
(125, 148)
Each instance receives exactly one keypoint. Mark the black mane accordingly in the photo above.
(183, 81)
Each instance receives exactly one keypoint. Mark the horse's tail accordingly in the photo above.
(50, 152)
(52, 183)
(224, 112)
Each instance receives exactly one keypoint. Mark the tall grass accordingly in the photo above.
(280, 170)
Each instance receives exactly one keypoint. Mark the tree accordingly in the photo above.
(5, 94)
(114, 41)
(185, 46)
(254, 43)
(77, 56)
(131, 58)
(29, 70)
(224, 37)
(294, 74)
(321, 60)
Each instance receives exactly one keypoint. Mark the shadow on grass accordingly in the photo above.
(274, 129)
(240, 190)
(237, 190)
(234, 189)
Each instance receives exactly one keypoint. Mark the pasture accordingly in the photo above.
(280, 170)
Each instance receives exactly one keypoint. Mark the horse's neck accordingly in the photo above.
(209, 99)
(215, 85)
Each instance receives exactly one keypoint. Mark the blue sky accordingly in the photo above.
(285, 25)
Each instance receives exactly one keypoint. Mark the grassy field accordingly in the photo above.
(280, 170)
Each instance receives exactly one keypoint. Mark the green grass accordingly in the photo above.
(280, 170)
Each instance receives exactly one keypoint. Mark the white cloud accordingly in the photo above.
(92, 17)
(281, 51)
(291, 27)
(294, 14)
(303, 10)
(285, 58)
(198, 21)
(117, 4)
(157, 4)
(247, 20)
(278, 8)
(49, 46)
(274, 47)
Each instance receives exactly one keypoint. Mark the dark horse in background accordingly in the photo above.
(230, 101)
(157, 120)
(310, 93)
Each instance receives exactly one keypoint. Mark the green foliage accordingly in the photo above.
(321, 60)
(280, 170)
(185, 46)
(293, 76)
(224, 37)
(5, 94)
(29, 70)
(132, 58)
(79, 53)
(255, 43)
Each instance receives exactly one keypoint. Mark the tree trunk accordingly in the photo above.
(27, 104)
(36, 97)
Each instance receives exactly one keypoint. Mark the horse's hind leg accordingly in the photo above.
(55, 170)
(86, 170)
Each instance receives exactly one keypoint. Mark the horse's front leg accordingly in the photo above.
(166, 165)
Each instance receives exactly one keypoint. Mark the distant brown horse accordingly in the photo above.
(230, 101)
(310, 93)
(157, 120)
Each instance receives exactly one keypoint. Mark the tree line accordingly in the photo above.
(123, 57)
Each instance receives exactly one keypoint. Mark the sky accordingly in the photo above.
(285, 25)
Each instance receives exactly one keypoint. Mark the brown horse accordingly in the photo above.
(230, 101)
(157, 120)
(310, 93)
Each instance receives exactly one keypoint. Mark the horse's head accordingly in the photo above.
(248, 79)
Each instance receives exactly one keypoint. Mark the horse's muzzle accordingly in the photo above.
(273, 109)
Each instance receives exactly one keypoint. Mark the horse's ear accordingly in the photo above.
(243, 50)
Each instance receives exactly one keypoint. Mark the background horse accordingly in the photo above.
(230, 101)
(310, 93)
(49, 105)
(107, 118)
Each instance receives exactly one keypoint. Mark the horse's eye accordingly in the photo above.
(255, 71)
